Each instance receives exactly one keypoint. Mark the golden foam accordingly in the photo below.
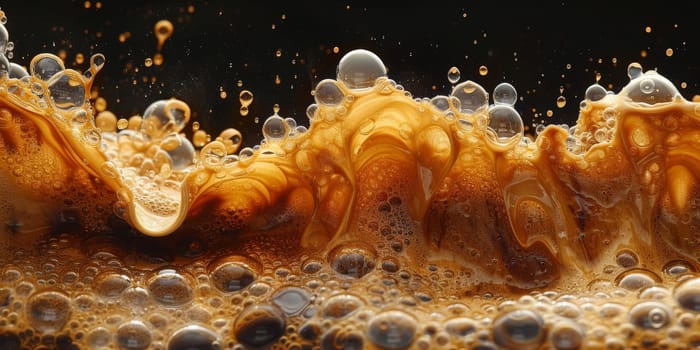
(392, 222)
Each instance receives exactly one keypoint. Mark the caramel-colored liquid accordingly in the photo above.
(392, 222)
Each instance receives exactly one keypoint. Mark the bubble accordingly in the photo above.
(595, 92)
(566, 337)
(164, 117)
(311, 111)
(650, 315)
(133, 335)
(650, 88)
(106, 121)
(232, 138)
(259, 326)
(99, 337)
(677, 268)
(327, 93)
(519, 329)
(183, 154)
(340, 306)
(359, 69)
(170, 288)
(561, 102)
(505, 93)
(687, 294)
(626, 258)
(483, 70)
(636, 279)
(245, 97)
(472, 97)
(111, 285)
(291, 300)
(17, 71)
(67, 90)
(337, 339)
(44, 66)
(453, 75)
(163, 29)
(505, 125)
(392, 329)
(352, 261)
(231, 274)
(194, 337)
(275, 128)
(48, 311)
(634, 70)
(460, 326)
(4, 38)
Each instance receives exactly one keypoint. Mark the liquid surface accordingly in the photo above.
(392, 221)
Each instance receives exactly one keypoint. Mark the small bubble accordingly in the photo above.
(453, 75)
(483, 71)
(561, 101)
(163, 29)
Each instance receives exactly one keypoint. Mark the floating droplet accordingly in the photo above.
(453, 75)
(163, 29)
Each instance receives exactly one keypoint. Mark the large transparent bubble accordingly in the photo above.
(358, 69)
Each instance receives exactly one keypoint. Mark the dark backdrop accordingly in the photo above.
(543, 48)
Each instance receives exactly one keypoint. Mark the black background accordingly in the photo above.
(528, 44)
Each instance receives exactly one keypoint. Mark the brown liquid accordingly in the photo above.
(391, 223)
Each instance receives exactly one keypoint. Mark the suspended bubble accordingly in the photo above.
(163, 29)
(505, 93)
(595, 92)
(328, 93)
(453, 75)
(245, 97)
(561, 101)
(44, 66)
(505, 125)
(472, 96)
(359, 69)
(483, 70)
(275, 128)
